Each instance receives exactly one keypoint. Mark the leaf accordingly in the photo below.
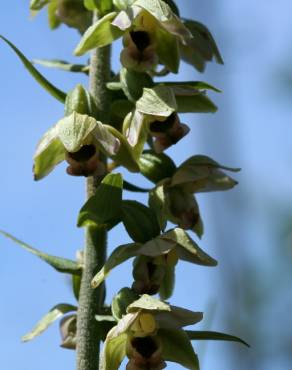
(158, 101)
(146, 302)
(176, 347)
(118, 256)
(62, 65)
(213, 335)
(133, 83)
(139, 221)
(103, 208)
(51, 89)
(55, 313)
(156, 166)
(187, 249)
(130, 187)
(60, 264)
(197, 85)
(113, 353)
(100, 34)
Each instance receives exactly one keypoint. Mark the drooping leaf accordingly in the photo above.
(146, 302)
(62, 65)
(100, 34)
(54, 314)
(139, 221)
(197, 85)
(213, 335)
(156, 166)
(60, 264)
(176, 347)
(158, 101)
(50, 88)
(103, 208)
(187, 249)
(118, 256)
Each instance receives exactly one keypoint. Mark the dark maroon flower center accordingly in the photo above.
(163, 126)
(83, 154)
(146, 346)
(141, 39)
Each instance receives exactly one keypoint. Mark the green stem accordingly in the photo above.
(91, 301)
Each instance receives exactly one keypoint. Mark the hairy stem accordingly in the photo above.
(91, 300)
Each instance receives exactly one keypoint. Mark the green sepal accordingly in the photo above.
(53, 20)
(100, 34)
(133, 83)
(213, 335)
(114, 351)
(167, 284)
(176, 347)
(79, 100)
(146, 302)
(139, 221)
(187, 249)
(123, 4)
(121, 301)
(200, 173)
(76, 283)
(50, 88)
(103, 208)
(118, 256)
(62, 65)
(54, 314)
(126, 155)
(91, 4)
(60, 264)
(201, 48)
(38, 4)
(167, 50)
(156, 166)
(136, 189)
(158, 101)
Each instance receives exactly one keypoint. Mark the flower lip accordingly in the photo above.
(84, 153)
(163, 126)
(145, 346)
(141, 39)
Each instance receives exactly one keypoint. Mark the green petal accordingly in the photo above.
(100, 34)
(146, 302)
(55, 313)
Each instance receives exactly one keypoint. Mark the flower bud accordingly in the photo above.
(74, 14)
(68, 331)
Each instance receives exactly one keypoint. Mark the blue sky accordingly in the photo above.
(252, 130)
